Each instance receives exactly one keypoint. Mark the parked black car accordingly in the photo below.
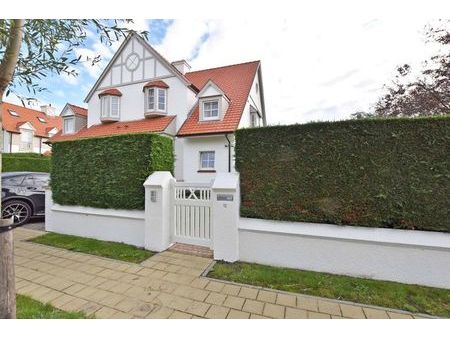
(23, 195)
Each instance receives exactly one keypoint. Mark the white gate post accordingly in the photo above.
(225, 205)
(158, 200)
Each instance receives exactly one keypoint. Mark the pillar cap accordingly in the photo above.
(226, 181)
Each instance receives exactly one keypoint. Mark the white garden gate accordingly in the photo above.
(191, 216)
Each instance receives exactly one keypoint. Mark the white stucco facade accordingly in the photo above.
(137, 66)
(190, 148)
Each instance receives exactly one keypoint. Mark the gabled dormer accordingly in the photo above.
(213, 102)
(74, 118)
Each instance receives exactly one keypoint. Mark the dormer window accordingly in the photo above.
(110, 105)
(213, 102)
(42, 120)
(69, 125)
(13, 113)
(211, 110)
(155, 98)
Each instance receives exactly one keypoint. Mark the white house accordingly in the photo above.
(140, 91)
(26, 130)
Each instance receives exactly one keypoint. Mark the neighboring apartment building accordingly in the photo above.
(140, 91)
(25, 130)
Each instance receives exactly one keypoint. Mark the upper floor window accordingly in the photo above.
(156, 99)
(211, 110)
(110, 106)
(254, 120)
(26, 140)
(69, 125)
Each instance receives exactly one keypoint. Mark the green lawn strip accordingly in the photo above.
(28, 308)
(119, 251)
(394, 295)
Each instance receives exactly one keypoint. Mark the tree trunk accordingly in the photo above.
(7, 277)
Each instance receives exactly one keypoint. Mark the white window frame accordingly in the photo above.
(208, 160)
(211, 117)
(156, 100)
(65, 125)
(107, 103)
(26, 140)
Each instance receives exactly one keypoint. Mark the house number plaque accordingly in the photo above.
(225, 197)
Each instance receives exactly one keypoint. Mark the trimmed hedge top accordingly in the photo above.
(108, 172)
(25, 162)
(377, 172)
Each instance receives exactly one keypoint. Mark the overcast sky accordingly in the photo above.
(313, 68)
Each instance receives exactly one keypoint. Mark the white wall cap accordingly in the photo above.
(158, 178)
(119, 213)
(418, 238)
(226, 181)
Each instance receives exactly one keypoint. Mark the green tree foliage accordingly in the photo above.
(426, 94)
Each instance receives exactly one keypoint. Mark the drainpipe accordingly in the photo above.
(10, 142)
(229, 153)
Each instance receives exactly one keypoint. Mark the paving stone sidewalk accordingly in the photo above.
(167, 285)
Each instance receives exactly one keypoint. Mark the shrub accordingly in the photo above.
(391, 173)
(108, 172)
(25, 162)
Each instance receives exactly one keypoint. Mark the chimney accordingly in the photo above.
(182, 66)
(48, 110)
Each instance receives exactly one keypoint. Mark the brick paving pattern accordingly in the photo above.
(167, 285)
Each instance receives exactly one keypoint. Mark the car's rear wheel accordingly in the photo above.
(20, 211)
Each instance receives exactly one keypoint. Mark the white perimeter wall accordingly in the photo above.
(187, 150)
(124, 226)
(414, 257)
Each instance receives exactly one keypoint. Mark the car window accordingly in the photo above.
(14, 180)
(37, 181)
(41, 181)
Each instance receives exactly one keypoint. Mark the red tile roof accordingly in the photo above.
(155, 124)
(11, 123)
(158, 83)
(78, 110)
(236, 82)
(111, 91)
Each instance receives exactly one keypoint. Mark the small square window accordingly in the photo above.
(207, 160)
(211, 110)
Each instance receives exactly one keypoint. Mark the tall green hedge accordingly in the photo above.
(392, 173)
(25, 162)
(108, 172)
